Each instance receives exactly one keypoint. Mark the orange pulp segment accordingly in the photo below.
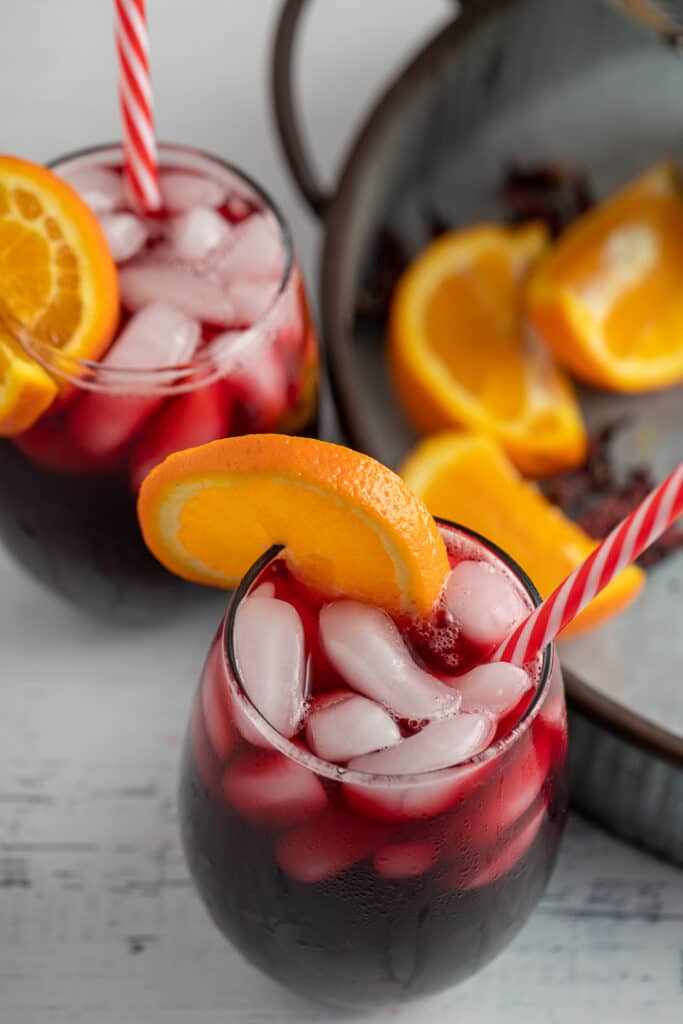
(467, 478)
(608, 298)
(459, 354)
(350, 526)
(58, 285)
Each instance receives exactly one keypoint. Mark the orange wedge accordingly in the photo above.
(467, 478)
(459, 354)
(608, 299)
(350, 525)
(58, 284)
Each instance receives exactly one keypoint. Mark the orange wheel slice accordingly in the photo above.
(58, 284)
(608, 299)
(350, 525)
(459, 354)
(467, 478)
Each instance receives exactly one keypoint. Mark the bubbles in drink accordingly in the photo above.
(515, 793)
(496, 863)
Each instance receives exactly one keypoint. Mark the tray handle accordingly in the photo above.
(287, 119)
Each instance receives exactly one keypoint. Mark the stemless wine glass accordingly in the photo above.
(357, 889)
(218, 260)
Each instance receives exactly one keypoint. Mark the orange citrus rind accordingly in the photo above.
(607, 300)
(467, 478)
(349, 525)
(26, 390)
(460, 356)
(58, 285)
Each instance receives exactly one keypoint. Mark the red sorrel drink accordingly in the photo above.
(371, 809)
(215, 339)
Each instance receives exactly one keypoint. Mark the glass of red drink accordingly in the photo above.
(355, 878)
(215, 339)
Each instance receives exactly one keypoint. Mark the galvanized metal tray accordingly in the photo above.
(523, 80)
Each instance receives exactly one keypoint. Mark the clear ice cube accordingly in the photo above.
(331, 843)
(495, 687)
(344, 725)
(197, 233)
(272, 790)
(102, 189)
(255, 251)
(439, 744)
(148, 280)
(483, 601)
(366, 648)
(158, 335)
(405, 860)
(251, 300)
(126, 234)
(271, 655)
(183, 191)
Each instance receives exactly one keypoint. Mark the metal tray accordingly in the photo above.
(525, 80)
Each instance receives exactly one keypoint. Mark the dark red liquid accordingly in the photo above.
(67, 511)
(352, 894)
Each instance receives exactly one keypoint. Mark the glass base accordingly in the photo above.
(353, 942)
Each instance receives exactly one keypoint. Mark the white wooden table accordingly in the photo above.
(98, 920)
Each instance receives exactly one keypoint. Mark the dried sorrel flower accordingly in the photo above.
(391, 259)
(598, 500)
(552, 192)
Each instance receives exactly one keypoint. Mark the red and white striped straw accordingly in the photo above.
(622, 546)
(135, 94)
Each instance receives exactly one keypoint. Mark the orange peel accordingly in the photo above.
(349, 525)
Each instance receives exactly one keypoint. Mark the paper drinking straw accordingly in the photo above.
(135, 94)
(622, 546)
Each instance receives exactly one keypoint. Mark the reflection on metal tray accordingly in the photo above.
(523, 81)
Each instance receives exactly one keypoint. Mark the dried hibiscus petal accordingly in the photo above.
(598, 500)
(552, 192)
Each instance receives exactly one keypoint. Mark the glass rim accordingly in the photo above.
(338, 772)
(204, 367)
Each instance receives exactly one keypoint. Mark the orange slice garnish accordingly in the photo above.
(459, 354)
(350, 525)
(58, 284)
(467, 478)
(608, 299)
